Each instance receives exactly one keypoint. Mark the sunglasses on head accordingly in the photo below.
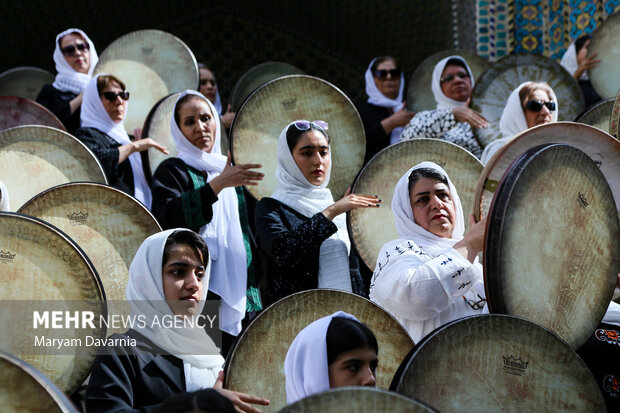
(536, 105)
(450, 78)
(70, 50)
(383, 73)
(306, 125)
(111, 96)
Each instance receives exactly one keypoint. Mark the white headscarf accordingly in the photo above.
(444, 102)
(4, 198)
(570, 63)
(513, 120)
(375, 97)
(295, 191)
(67, 79)
(305, 365)
(223, 234)
(94, 115)
(145, 291)
(405, 223)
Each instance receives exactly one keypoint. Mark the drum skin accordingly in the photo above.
(598, 115)
(256, 77)
(552, 242)
(492, 89)
(604, 76)
(600, 146)
(371, 228)
(492, 363)
(24, 81)
(152, 64)
(357, 400)
(24, 389)
(18, 111)
(614, 119)
(256, 364)
(106, 223)
(36, 158)
(419, 92)
(257, 126)
(37, 253)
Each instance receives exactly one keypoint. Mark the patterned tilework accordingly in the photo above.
(494, 27)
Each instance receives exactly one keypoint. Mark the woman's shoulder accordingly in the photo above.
(399, 248)
(88, 132)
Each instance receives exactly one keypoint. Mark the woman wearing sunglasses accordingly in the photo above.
(75, 58)
(103, 112)
(531, 104)
(301, 230)
(452, 120)
(384, 113)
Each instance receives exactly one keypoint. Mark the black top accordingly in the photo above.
(57, 102)
(106, 150)
(291, 243)
(376, 138)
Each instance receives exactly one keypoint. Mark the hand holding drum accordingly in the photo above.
(473, 241)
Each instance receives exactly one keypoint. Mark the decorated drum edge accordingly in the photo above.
(58, 124)
(592, 108)
(614, 118)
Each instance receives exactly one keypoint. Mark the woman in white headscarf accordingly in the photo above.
(431, 275)
(75, 58)
(576, 62)
(4, 198)
(208, 87)
(201, 190)
(333, 351)
(301, 230)
(530, 104)
(384, 113)
(103, 111)
(168, 279)
(452, 120)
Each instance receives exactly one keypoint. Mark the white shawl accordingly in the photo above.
(570, 63)
(444, 102)
(295, 191)
(4, 198)
(305, 365)
(375, 97)
(223, 234)
(67, 79)
(94, 115)
(201, 359)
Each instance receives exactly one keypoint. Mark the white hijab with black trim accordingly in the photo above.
(444, 102)
(67, 79)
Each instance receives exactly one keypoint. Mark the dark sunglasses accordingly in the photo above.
(70, 50)
(306, 125)
(111, 96)
(450, 78)
(383, 73)
(536, 105)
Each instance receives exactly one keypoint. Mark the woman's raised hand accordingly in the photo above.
(473, 241)
(242, 401)
(466, 114)
(236, 175)
(397, 119)
(350, 201)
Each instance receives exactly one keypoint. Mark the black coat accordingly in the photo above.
(57, 102)
(376, 138)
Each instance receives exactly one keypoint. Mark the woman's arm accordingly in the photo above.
(107, 154)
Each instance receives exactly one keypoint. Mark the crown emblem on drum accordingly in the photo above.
(6, 255)
(513, 362)
(289, 104)
(78, 217)
(147, 50)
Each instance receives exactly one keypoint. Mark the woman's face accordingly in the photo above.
(198, 124)
(311, 154)
(388, 84)
(79, 60)
(208, 86)
(115, 108)
(182, 279)
(544, 115)
(455, 83)
(432, 206)
(357, 367)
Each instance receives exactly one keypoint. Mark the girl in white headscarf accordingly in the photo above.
(75, 58)
(431, 275)
(577, 62)
(301, 229)
(319, 357)
(201, 190)
(103, 112)
(4, 198)
(452, 120)
(384, 113)
(530, 104)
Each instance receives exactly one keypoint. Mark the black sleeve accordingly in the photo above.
(106, 153)
(49, 98)
(176, 204)
(288, 246)
(376, 138)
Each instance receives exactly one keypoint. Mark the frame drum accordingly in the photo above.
(257, 126)
(552, 242)
(419, 93)
(598, 115)
(357, 400)
(18, 111)
(372, 228)
(35, 158)
(43, 267)
(256, 364)
(604, 76)
(495, 85)
(492, 363)
(152, 64)
(614, 118)
(24, 81)
(24, 389)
